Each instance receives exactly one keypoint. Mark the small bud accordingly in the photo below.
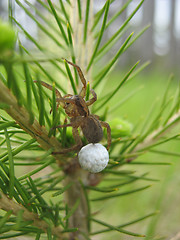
(120, 128)
(93, 157)
(8, 37)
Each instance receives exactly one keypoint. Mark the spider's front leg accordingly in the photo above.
(76, 136)
(81, 75)
(106, 125)
(46, 85)
(92, 100)
(58, 94)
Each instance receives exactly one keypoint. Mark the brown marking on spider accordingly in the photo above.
(76, 108)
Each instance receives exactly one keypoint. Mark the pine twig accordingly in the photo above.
(162, 130)
(22, 117)
(156, 134)
(8, 204)
(80, 217)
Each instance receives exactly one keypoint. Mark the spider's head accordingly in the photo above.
(76, 107)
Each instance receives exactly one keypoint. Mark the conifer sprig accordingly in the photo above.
(58, 203)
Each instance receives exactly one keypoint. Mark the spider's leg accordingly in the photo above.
(76, 137)
(62, 125)
(58, 94)
(62, 101)
(81, 75)
(92, 100)
(65, 100)
(67, 95)
(76, 146)
(106, 125)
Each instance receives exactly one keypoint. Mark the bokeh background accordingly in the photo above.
(160, 43)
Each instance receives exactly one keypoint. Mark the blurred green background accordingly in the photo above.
(164, 195)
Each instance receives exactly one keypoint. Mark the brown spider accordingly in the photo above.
(77, 109)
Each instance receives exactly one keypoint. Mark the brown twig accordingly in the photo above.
(8, 204)
(22, 117)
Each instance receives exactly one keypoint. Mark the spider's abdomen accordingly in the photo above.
(92, 129)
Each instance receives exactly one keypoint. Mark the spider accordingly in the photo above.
(77, 109)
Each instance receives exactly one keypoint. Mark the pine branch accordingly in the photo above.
(76, 191)
(152, 139)
(82, 43)
(7, 204)
(161, 131)
(22, 117)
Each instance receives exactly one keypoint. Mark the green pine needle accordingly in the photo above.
(86, 20)
(87, 91)
(41, 102)
(62, 190)
(72, 210)
(12, 83)
(20, 189)
(116, 15)
(41, 48)
(11, 164)
(65, 14)
(70, 77)
(113, 228)
(148, 163)
(28, 87)
(4, 219)
(79, 9)
(110, 196)
(47, 163)
(98, 16)
(58, 21)
(47, 74)
(126, 224)
(117, 88)
(166, 153)
(122, 27)
(43, 17)
(7, 124)
(100, 34)
(107, 68)
(41, 26)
